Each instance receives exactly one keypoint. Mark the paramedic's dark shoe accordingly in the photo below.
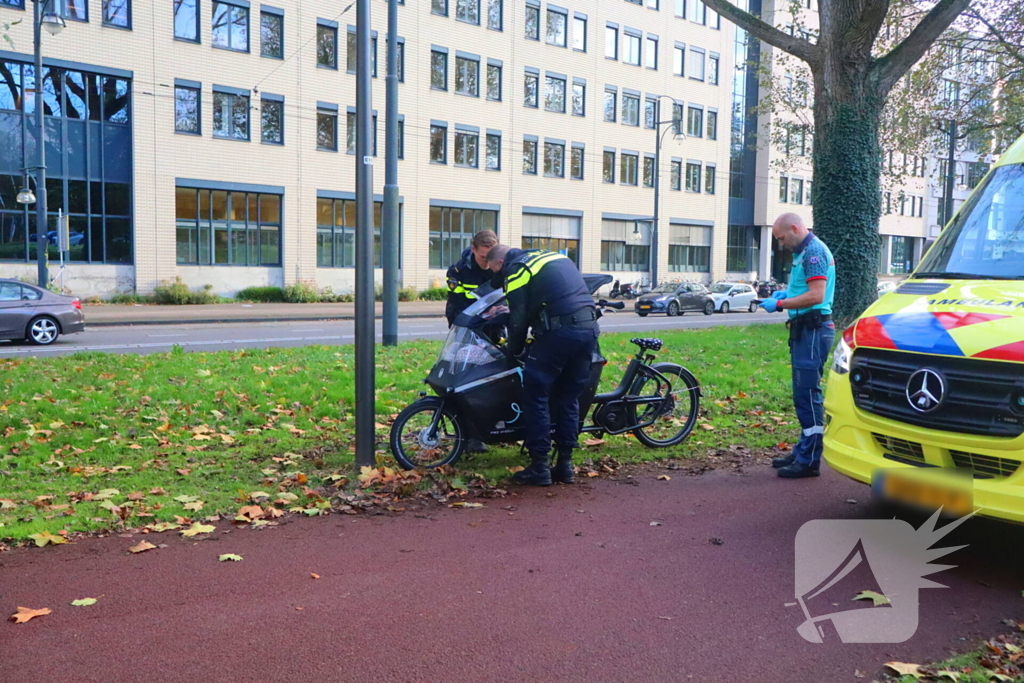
(563, 472)
(798, 471)
(537, 474)
(783, 462)
(474, 447)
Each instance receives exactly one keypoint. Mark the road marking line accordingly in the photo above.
(167, 335)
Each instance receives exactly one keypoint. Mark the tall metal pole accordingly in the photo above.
(950, 171)
(657, 195)
(389, 231)
(365, 364)
(41, 145)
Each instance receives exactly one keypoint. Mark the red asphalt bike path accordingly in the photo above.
(577, 585)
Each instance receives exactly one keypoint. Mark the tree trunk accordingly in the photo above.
(847, 194)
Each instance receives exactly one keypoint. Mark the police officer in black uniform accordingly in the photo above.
(546, 292)
(468, 273)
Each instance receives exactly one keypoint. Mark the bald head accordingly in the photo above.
(496, 257)
(789, 230)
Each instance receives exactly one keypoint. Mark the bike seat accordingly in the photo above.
(651, 344)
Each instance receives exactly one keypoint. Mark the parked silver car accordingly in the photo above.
(37, 315)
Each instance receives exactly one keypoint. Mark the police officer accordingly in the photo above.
(468, 273)
(808, 299)
(546, 292)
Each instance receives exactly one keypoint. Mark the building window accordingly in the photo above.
(327, 46)
(681, 9)
(628, 169)
(271, 35)
(438, 70)
(438, 144)
(494, 82)
(713, 69)
(554, 160)
(327, 130)
(620, 248)
(652, 4)
(272, 121)
(631, 49)
(796, 191)
(400, 65)
(608, 167)
(493, 160)
(336, 230)
(439, 7)
(186, 20)
(74, 10)
(709, 179)
(697, 60)
(630, 110)
(117, 13)
(743, 248)
(689, 249)
(678, 60)
(648, 171)
(576, 163)
(532, 22)
(579, 99)
(901, 259)
(677, 118)
(560, 234)
(694, 122)
(783, 189)
(468, 11)
(579, 34)
(652, 53)
(230, 27)
(556, 28)
(530, 95)
(218, 227)
(230, 116)
(187, 110)
(452, 230)
(466, 144)
(554, 94)
(697, 11)
(712, 125)
(611, 42)
(352, 52)
(494, 15)
(650, 113)
(467, 76)
(530, 157)
(609, 105)
(692, 177)
(676, 181)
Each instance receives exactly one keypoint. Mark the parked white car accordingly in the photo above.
(733, 296)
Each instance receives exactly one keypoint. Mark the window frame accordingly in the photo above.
(458, 7)
(614, 111)
(462, 59)
(578, 19)
(333, 32)
(197, 89)
(530, 142)
(549, 79)
(608, 169)
(527, 76)
(232, 93)
(632, 97)
(266, 98)
(443, 55)
(466, 135)
(582, 85)
(127, 26)
(710, 181)
(436, 126)
(499, 68)
(629, 171)
(532, 9)
(578, 148)
(248, 26)
(650, 40)
(489, 137)
(196, 20)
(692, 180)
(564, 14)
(333, 114)
(558, 146)
(614, 29)
(633, 39)
(280, 19)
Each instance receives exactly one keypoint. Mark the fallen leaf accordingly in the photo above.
(197, 529)
(7, 504)
(142, 547)
(740, 394)
(230, 557)
(186, 499)
(594, 442)
(104, 494)
(709, 427)
(905, 669)
(951, 675)
(194, 506)
(655, 523)
(25, 614)
(84, 602)
(251, 512)
(664, 477)
(157, 491)
(462, 504)
(877, 598)
(46, 538)
(517, 468)
(315, 576)
(163, 526)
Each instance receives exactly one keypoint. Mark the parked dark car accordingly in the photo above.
(673, 298)
(37, 315)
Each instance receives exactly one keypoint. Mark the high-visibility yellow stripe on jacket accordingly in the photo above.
(531, 266)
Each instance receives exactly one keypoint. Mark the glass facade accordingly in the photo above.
(88, 162)
(452, 229)
(336, 232)
(222, 227)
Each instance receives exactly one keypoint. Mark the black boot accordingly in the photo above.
(537, 474)
(783, 462)
(563, 472)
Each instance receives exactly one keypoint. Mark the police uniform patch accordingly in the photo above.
(814, 259)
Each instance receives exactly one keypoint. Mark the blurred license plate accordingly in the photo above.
(927, 489)
(645, 306)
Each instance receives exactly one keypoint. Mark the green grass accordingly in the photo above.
(977, 666)
(210, 425)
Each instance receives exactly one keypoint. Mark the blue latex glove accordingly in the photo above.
(781, 294)
(771, 305)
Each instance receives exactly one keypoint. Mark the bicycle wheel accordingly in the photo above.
(415, 444)
(673, 418)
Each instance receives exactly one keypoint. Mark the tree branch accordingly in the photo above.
(1008, 45)
(891, 67)
(798, 47)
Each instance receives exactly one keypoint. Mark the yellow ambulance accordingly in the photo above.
(930, 379)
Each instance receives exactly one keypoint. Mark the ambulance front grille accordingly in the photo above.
(984, 466)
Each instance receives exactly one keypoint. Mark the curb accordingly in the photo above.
(217, 321)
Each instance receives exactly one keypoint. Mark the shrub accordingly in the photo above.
(301, 293)
(125, 298)
(177, 293)
(407, 294)
(262, 294)
(434, 294)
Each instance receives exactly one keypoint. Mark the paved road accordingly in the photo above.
(573, 584)
(206, 337)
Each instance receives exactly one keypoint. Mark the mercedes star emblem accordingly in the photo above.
(926, 390)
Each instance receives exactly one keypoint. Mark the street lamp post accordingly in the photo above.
(54, 24)
(659, 138)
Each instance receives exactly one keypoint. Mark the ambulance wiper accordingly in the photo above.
(956, 276)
